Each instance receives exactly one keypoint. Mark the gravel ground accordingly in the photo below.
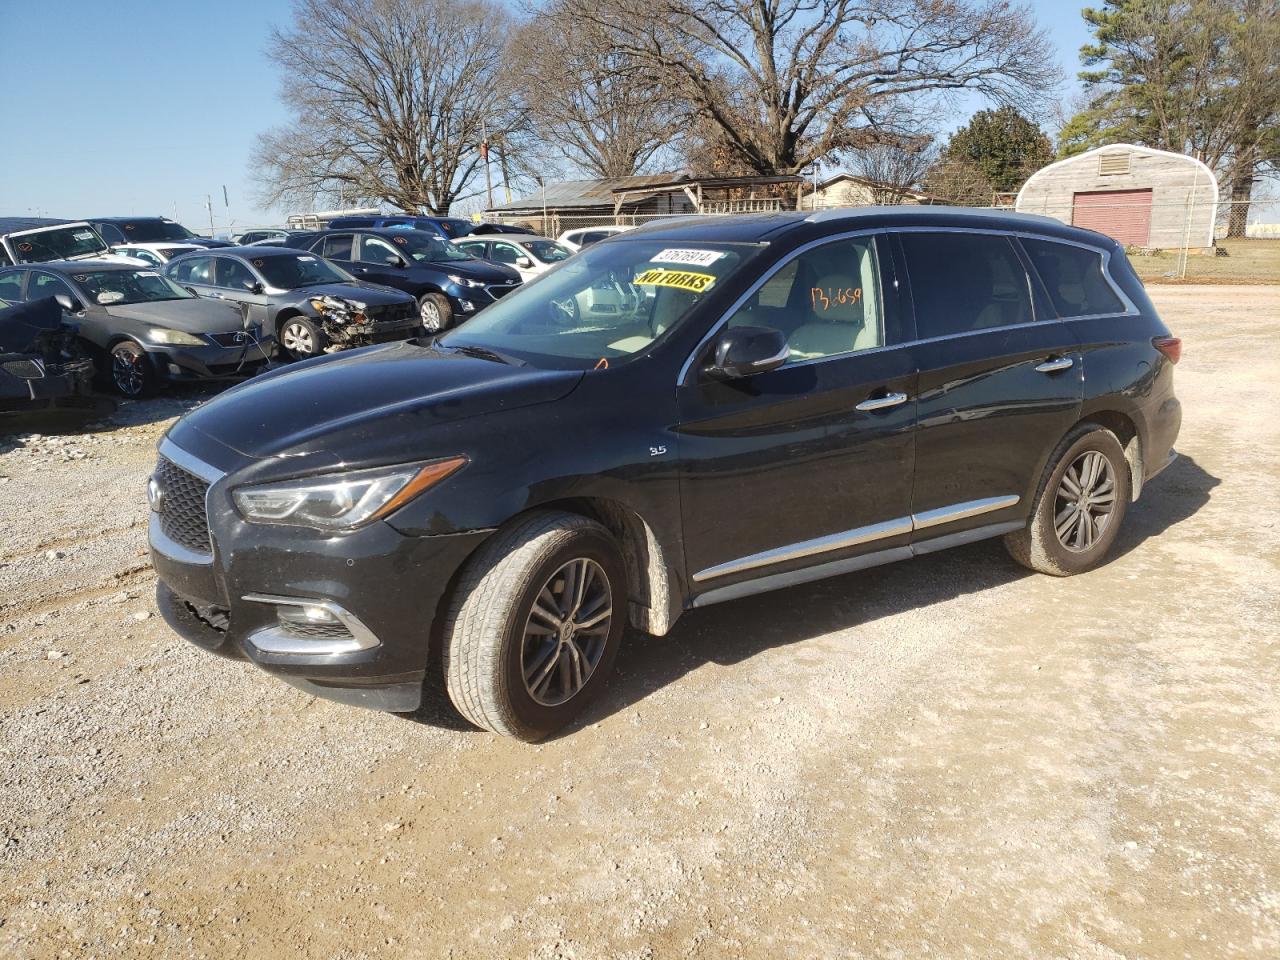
(946, 758)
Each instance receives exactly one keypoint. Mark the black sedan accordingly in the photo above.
(310, 305)
(448, 283)
(141, 327)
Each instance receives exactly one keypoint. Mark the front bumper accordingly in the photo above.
(211, 362)
(387, 586)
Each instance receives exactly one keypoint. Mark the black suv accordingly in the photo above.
(127, 230)
(781, 398)
(448, 283)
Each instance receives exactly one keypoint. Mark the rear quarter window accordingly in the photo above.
(1074, 278)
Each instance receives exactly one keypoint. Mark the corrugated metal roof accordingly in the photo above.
(572, 194)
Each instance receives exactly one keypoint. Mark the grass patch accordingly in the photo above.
(1247, 261)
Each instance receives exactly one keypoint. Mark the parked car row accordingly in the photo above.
(149, 302)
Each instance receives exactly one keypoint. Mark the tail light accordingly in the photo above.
(1171, 347)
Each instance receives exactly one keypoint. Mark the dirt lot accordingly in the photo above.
(947, 758)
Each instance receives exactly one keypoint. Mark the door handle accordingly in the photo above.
(1055, 364)
(216, 296)
(882, 403)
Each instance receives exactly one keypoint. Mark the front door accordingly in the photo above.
(810, 463)
(1000, 381)
(234, 282)
(374, 262)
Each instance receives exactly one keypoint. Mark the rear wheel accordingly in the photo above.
(535, 625)
(301, 338)
(435, 312)
(1079, 507)
(131, 372)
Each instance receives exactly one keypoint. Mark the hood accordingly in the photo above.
(336, 409)
(368, 293)
(191, 316)
(474, 269)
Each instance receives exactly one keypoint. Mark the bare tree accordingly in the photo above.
(391, 98)
(787, 82)
(895, 169)
(602, 111)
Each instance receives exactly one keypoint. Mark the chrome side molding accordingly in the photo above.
(860, 535)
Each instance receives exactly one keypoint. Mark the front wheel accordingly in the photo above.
(1079, 507)
(535, 625)
(435, 312)
(131, 371)
(301, 338)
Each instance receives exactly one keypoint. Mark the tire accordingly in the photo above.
(1083, 543)
(493, 638)
(130, 371)
(435, 312)
(301, 338)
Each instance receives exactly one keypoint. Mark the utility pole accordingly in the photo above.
(208, 205)
(484, 155)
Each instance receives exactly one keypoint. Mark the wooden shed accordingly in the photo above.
(1140, 196)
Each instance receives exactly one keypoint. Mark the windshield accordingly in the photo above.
(153, 231)
(604, 304)
(548, 251)
(112, 287)
(59, 243)
(425, 248)
(300, 270)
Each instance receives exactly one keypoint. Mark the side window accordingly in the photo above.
(11, 287)
(111, 233)
(505, 253)
(376, 250)
(234, 275)
(827, 301)
(475, 248)
(43, 285)
(962, 282)
(337, 247)
(592, 236)
(1073, 276)
(194, 270)
(148, 255)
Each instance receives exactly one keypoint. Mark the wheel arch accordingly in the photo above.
(1126, 430)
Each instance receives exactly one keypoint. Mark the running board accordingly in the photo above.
(832, 568)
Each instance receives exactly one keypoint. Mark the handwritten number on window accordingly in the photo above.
(824, 298)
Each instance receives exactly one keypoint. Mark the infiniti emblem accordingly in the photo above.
(155, 495)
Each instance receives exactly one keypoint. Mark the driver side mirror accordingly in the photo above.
(394, 260)
(524, 262)
(67, 303)
(746, 351)
(191, 290)
(254, 287)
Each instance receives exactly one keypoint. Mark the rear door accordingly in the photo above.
(809, 463)
(999, 380)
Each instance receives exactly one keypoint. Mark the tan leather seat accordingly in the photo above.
(836, 327)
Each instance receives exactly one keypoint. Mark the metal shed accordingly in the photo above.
(1141, 196)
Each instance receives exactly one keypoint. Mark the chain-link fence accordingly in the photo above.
(1187, 240)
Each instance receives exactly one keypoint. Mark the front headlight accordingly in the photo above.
(341, 502)
(176, 338)
(464, 282)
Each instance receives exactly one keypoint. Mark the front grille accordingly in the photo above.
(390, 313)
(236, 338)
(497, 290)
(182, 511)
(24, 369)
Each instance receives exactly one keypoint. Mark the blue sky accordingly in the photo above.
(124, 107)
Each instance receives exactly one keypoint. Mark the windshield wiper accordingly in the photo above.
(484, 353)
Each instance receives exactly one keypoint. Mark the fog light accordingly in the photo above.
(317, 616)
(175, 370)
(467, 306)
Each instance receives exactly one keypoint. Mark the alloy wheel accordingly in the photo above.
(566, 632)
(127, 372)
(1085, 499)
(296, 338)
(429, 311)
